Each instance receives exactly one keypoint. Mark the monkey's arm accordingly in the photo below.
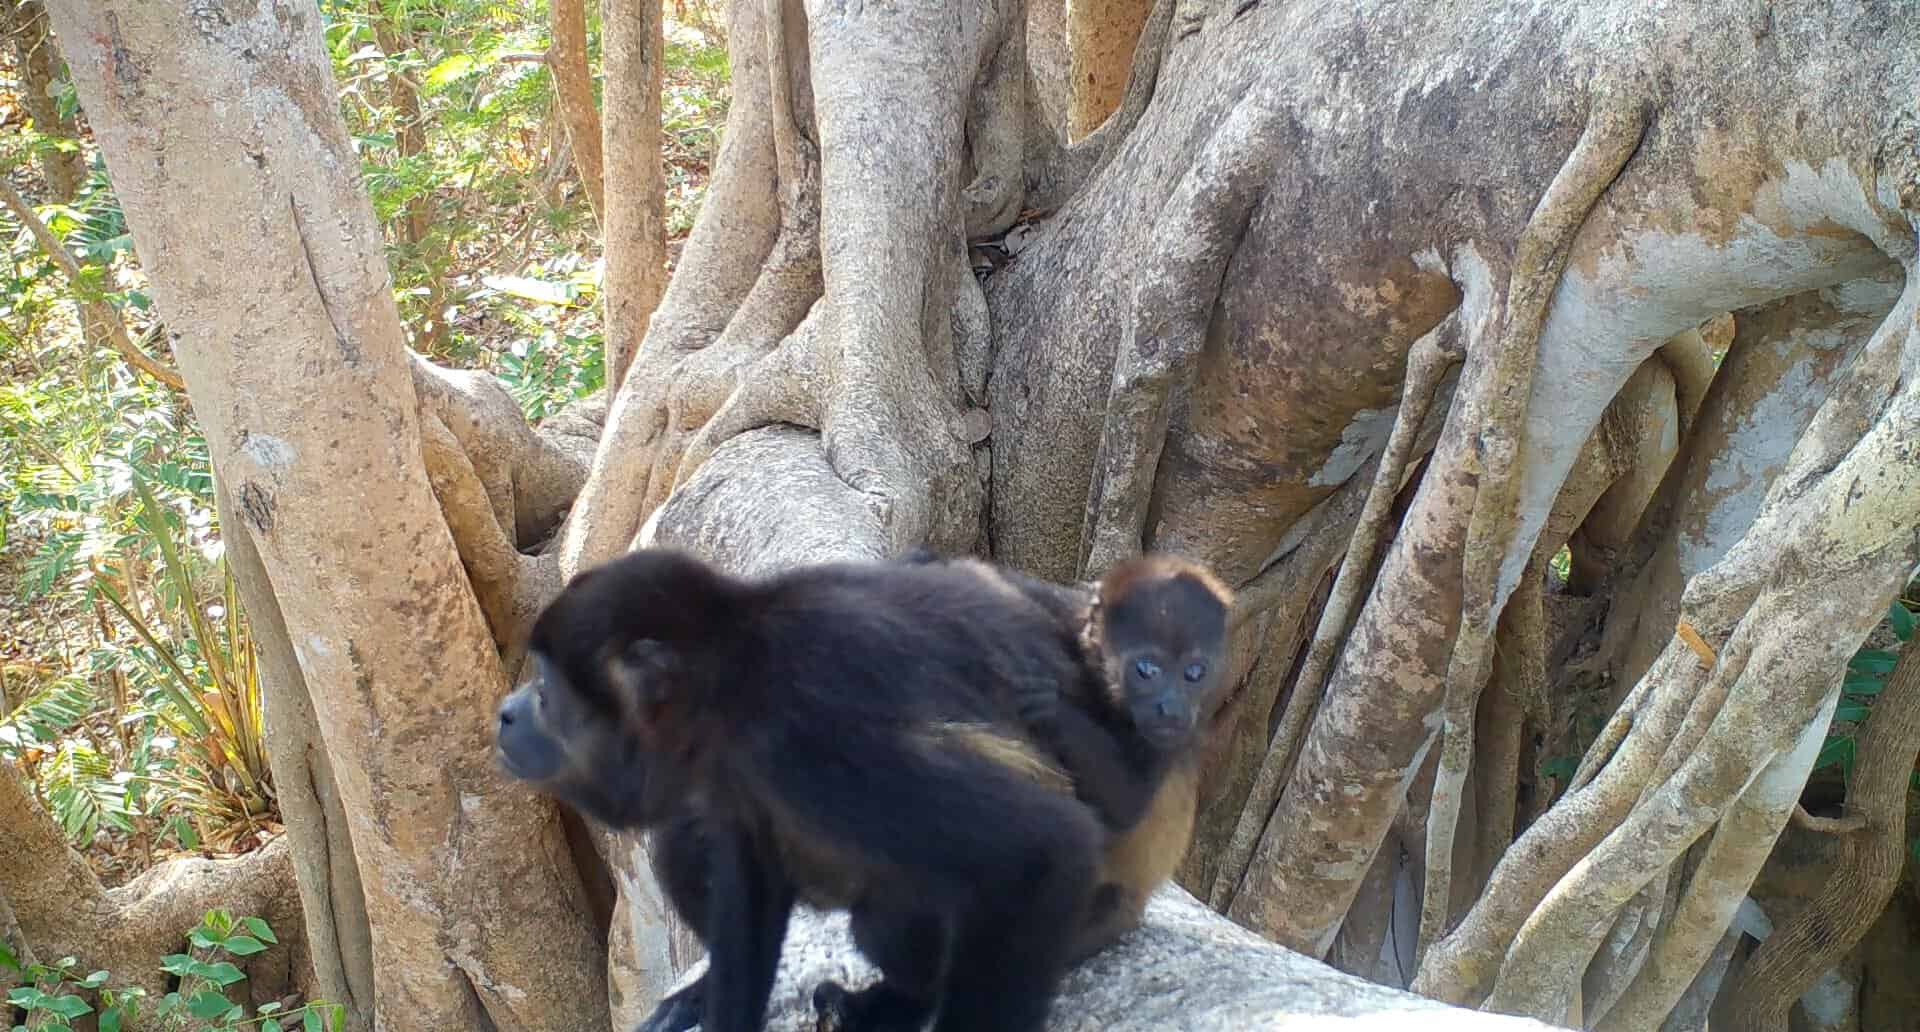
(747, 912)
(679, 858)
(1116, 781)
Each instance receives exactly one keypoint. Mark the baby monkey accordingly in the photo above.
(1152, 635)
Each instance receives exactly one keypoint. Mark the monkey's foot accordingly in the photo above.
(877, 1008)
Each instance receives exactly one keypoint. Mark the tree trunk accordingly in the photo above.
(25, 25)
(476, 914)
(53, 906)
(573, 93)
(635, 217)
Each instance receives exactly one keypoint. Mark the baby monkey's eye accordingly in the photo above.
(1147, 668)
(1196, 671)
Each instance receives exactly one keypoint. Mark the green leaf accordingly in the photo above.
(209, 1004)
(448, 70)
(244, 946)
(1850, 711)
(1902, 620)
(1877, 661)
(270, 1025)
(223, 974)
(25, 997)
(110, 1020)
(177, 964)
(67, 1006)
(1837, 750)
(310, 1021)
(259, 929)
(1863, 684)
(7, 959)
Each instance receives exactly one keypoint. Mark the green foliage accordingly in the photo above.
(114, 484)
(127, 665)
(32, 291)
(451, 119)
(55, 996)
(548, 363)
(1866, 676)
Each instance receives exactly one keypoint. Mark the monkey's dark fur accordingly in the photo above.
(1152, 634)
(821, 735)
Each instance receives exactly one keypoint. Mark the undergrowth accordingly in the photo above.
(129, 684)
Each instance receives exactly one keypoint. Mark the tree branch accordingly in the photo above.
(573, 91)
(92, 311)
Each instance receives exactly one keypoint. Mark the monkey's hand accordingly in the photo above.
(880, 1007)
(1036, 703)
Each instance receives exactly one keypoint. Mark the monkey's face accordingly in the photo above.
(1165, 690)
(1167, 640)
(596, 724)
(549, 735)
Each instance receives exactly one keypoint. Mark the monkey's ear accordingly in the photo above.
(645, 668)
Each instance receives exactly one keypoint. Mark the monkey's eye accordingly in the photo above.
(1196, 671)
(1146, 668)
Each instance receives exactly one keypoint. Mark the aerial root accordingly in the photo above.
(996, 124)
(1612, 134)
(1624, 949)
(1460, 967)
(1428, 362)
(1525, 625)
(704, 382)
(1156, 36)
(1504, 713)
(1850, 457)
(1715, 887)
(1793, 639)
(1173, 297)
(1539, 977)
(783, 386)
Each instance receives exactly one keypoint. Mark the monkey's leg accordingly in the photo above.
(911, 952)
(746, 920)
(1013, 939)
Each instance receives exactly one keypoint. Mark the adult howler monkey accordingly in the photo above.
(1152, 634)
(1166, 611)
(820, 735)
